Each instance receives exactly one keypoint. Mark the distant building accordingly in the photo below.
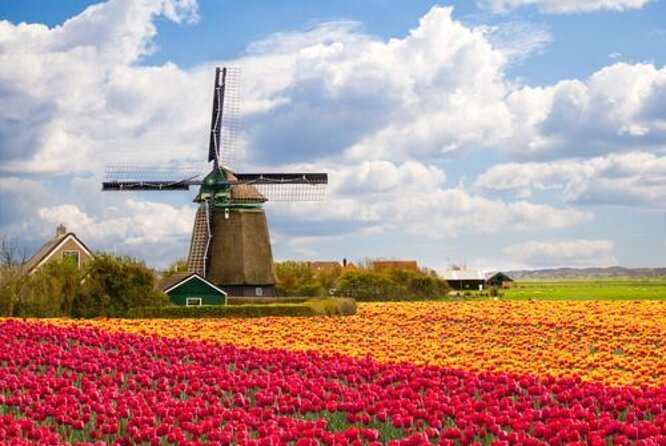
(191, 289)
(347, 266)
(475, 279)
(465, 279)
(499, 280)
(380, 266)
(63, 245)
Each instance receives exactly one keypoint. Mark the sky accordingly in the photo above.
(500, 134)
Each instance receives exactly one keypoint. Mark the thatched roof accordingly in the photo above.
(244, 192)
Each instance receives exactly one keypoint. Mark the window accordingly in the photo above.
(258, 291)
(74, 255)
(193, 301)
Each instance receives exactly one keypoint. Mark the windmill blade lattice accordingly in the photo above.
(285, 186)
(225, 120)
(120, 177)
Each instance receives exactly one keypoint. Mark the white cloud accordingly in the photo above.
(136, 226)
(74, 94)
(338, 91)
(517, 40)
(564, 6)
(619, 108)
(629, 179)
(378, 196)
(562, 253)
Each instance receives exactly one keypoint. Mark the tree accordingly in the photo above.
(13, 285)
(113, 285)
(179, 266)
(291, 276)
(50, 291)
(12, 253)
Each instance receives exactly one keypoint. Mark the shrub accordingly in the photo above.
(366, 285)
(114, 285)
(340, 306)
(392, 285)
(298, 279)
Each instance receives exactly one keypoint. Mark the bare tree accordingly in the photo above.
(12, 253)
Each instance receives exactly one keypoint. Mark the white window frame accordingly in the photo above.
(78, 256)
(188, 299)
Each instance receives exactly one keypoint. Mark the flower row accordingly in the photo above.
(617, 343)
(60, 384)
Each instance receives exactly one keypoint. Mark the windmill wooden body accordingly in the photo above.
(230, 243)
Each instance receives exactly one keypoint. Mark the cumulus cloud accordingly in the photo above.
(73, 94)
(159, 231)
(564, 6)
(379, 196)
(619, 108)
(562, 253)
(630, 179)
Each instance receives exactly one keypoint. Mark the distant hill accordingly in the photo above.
(586, 273)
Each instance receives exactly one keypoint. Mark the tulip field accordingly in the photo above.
(458, 373)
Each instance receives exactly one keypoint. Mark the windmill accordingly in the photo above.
(230, 244)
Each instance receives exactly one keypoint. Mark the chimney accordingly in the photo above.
(61, 230)
(344, 262)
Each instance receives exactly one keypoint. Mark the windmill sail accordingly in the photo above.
(285, 186)
(128, 178)
(225, 120)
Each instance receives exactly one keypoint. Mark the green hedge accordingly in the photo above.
(314, 307)
(239, 300)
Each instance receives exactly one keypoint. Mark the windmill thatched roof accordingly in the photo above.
(244, 192)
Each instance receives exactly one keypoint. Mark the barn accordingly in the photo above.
(499, 280)
(465, 279)
(191, 289)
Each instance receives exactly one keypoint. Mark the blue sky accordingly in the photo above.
(501, 133)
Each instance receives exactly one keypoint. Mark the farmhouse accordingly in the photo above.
(499, 280)
(191, 289)
(63, 245)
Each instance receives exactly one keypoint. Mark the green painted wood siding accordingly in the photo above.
(196, 288)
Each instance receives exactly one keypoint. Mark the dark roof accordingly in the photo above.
(501, 276)
(47, 248)
(176, 279)
(172, 280)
